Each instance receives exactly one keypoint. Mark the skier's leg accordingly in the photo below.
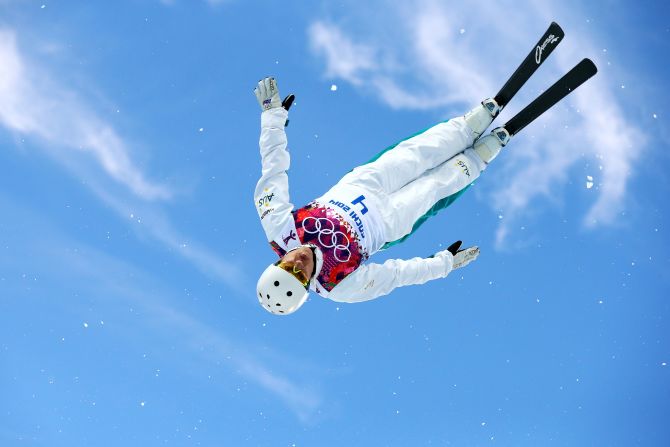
(408, 160)
(410, 206)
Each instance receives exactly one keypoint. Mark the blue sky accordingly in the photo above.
(130, 246)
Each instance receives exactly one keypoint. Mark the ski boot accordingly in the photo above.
(479, 118)
(489, 146)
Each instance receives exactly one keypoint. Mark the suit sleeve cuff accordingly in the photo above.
(275, 117)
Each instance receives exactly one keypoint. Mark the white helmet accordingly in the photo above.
(282, 293)
(279, 292)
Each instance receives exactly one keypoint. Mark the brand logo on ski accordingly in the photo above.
(540, 48)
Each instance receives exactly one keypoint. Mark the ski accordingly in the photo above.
(559, 90)
(540, 52)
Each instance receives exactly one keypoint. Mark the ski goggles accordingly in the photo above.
(293, 270)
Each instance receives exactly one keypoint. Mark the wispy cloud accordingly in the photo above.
(114, 284)
(35, 104)
(427, 66)
(209, 2)
(452, 62)
(207, 346)
(618, 151)
(146, 219)
(302, 397)
(345, 59)
(218, 2)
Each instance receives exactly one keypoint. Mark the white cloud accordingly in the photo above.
(218, 2)
(111, 285)
(449, 69)
(213, 3)
(345, 59)
(413, 74)
(588, 128)
(301, 397)
(618, 145)
(34, 103)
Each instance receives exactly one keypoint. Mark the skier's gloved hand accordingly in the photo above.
(459, 258)
(453, 248)
(267, 94)
(288, 101)
(462, 257)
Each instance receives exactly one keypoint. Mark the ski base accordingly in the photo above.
(579, 74)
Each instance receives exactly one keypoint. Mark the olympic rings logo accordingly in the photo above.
(325, 228)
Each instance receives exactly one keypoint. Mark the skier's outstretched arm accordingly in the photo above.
(374, 280)
(271, 194)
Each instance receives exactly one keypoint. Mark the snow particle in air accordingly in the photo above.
(142, 404)
(85, 324)
(654, 115)
(201, 129)
(462, 31)
(589, 182)
(333, 88)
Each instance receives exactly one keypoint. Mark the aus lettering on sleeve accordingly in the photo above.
(464, 167)
(265, 200)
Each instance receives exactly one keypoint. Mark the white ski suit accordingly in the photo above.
(373, 206)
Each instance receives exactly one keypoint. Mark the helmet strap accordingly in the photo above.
(313, 261)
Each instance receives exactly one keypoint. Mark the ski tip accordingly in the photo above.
(593, 65)
(555, 28)
(588, 65)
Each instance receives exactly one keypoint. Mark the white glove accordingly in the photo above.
(267, 94)
(462, 257)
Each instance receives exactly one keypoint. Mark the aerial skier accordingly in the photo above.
(323, 246)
